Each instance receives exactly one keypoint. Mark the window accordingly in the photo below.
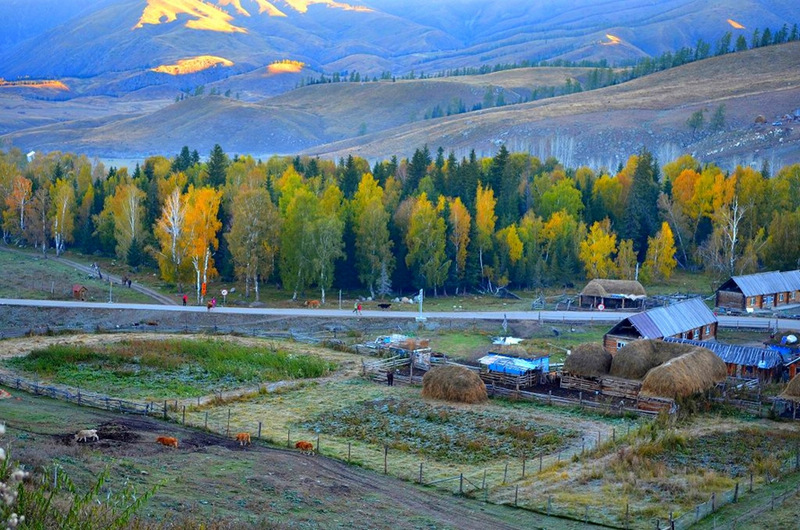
(683, 335)
(708, 329)
(751, 302)
(620, 344)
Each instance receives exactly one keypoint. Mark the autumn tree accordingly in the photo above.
(62, 213)
(253, 237)
(172, 234)
(509, 253)
(37, 230)
(625, 262)
(202, 225)
(297, 239)
(597, 251)
(460, 223)
(17, 202)
(326, 238)
(374, 257)
(426, 241)
(660, 260)
(640, 220)
(126, 208)
(485, 220)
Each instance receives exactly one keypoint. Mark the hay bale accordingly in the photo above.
(792, 392)
(691, 373)
(588, 360)
(454, 383)
(636, 358)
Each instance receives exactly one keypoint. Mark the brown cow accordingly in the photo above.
(307, 448)
(169, 441)
(243, 438)
(312, 304)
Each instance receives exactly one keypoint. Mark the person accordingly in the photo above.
(355, 307)
(214, 302)
(390, 378)
(185, 299)
(359, 308)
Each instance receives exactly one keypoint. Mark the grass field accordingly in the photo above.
(157, 369)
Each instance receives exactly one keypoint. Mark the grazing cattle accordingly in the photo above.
(307, 448)
(169, 441)
(384, 306)
(86, 435)
(209, 305)
(243, 438)
(312, 304)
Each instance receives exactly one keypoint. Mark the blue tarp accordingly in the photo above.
(505, 364)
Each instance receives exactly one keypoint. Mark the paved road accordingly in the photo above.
(541, 316)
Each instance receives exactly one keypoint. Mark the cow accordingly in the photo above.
(243, 438)
(307, 448)
(168, 441)
(86, 435)
(311, 304)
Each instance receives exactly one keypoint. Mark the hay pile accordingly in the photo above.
(792, 392)
(688, 374)
(454, 383)
(414, 344)
(635, 359)
(588, 360)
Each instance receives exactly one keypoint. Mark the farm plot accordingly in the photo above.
(144, 368)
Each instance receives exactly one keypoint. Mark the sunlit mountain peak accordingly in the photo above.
(735, 24)
(287, 66)
(203, 15)
(612, 39)
(193, 65)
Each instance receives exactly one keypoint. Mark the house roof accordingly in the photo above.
(741, 355)
(767, 282)
(671, 320)
(608, 288)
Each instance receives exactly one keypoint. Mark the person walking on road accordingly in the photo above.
(358, 307)
(185, 299)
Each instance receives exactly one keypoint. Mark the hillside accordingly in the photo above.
(603, 127)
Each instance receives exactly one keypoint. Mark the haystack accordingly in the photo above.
(454, 383)
(692, 372)
(588, 360)
(634, 359)
(792, 392)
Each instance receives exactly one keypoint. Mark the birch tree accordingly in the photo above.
(202, 222)
(374, 257)
(485, 220)
(172, 234)
(17, 202)
(127, 208)
(62, 213)
(460, 223)
(426, 241)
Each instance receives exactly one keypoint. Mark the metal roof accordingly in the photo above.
(740, 355)
(672, 319)
(768, 282)
(513, 365)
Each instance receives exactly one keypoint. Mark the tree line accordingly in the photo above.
(429, 221)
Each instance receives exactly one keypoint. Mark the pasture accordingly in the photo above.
(568, 460)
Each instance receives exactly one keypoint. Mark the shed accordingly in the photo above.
(691, 319)
(743, 361)
(496, 362)
(613, 294)
(79, 292)
(764, 290)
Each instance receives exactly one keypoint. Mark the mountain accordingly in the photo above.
(130, 78)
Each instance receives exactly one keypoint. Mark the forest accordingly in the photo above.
(432, 221)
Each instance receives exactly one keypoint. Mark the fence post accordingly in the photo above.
(580, 397)
(696, 513)
(671, 522)
(627, 514)
(523, 467)
(107, 407)
(516, 494)
(614, 434)
(540, 462)
(483, 484)
(184, 414)
(420, 472)
(505, 473)
(549, 504)
(586, 514)
(598, 440)
(549, 397)
(713, 501)
(751, 482)
(317, 443)
(289, 437)
(736, 493)
(165, 409)
(385, 459)
(228, 427)
(79, 397)
(348, 452)
(461, 484)
(205, 423)
(259, 431)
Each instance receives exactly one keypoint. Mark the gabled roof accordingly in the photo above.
(741, 355)
(670, 320)
(766, 282)
(607, 288)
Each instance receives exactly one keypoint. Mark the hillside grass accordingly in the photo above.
(174, 368)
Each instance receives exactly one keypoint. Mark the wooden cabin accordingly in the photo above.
(691, 319)
(746, 362)
(765, 290)
(613, 294)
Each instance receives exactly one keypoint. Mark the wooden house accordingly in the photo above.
(79, 292)
(613, 294)
(691, 319)
(764, 290)
(744, 361)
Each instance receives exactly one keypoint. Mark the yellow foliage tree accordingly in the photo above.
(202, 224)
(460, 221)
(62, 213)
(485, 220)
(597, 250)
(660, 260)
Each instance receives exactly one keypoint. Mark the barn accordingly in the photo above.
(613, 294)
(764, 290)
(744, 361)
(685, 320)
